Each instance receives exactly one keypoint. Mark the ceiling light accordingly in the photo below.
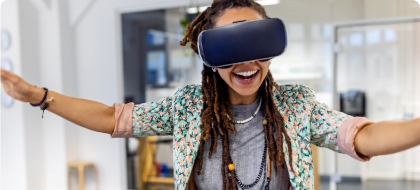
(193, 10)
(268, 2)
(418, 1)
(203, 8)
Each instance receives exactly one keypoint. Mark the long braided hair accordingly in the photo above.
(216, 105)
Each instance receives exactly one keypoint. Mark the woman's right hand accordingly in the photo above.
(89, 114)
(16, 87)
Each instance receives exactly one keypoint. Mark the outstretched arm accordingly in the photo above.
(89, 114)
(387, 137)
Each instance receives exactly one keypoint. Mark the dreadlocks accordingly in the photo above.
(216, 105)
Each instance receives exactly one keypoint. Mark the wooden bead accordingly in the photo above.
(231, 167)
(264, 122)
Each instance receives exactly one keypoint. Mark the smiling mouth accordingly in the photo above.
(246, 75)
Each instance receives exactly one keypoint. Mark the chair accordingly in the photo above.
(147, 168)
(316, 165)
(80, 166)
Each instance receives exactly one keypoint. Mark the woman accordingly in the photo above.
(228, 131)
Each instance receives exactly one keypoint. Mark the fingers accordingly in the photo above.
(3, 85)
(9, 76)
(4, 73)
(2, 78)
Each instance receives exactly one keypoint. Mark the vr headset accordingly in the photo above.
(242, 41)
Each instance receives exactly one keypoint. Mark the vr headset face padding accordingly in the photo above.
(241, 42)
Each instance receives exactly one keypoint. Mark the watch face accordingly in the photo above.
(6, 100)
(5, 40)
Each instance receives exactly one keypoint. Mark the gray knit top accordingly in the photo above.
(246, 149)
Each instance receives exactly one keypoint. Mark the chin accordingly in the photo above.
(247, 91)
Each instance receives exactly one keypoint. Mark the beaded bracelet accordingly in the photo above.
(46, 105)
(43, 99)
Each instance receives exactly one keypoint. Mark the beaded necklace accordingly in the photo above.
(265, 164)
(252, 117)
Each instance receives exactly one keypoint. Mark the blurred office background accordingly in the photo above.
(360, 56)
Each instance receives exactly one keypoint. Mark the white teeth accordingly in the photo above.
(247, 74)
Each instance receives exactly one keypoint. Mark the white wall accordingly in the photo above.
(13, 162)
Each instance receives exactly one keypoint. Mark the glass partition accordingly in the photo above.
(381, 59)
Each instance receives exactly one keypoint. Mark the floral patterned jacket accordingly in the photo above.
(307, 121)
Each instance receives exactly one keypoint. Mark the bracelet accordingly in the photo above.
(43, 99)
